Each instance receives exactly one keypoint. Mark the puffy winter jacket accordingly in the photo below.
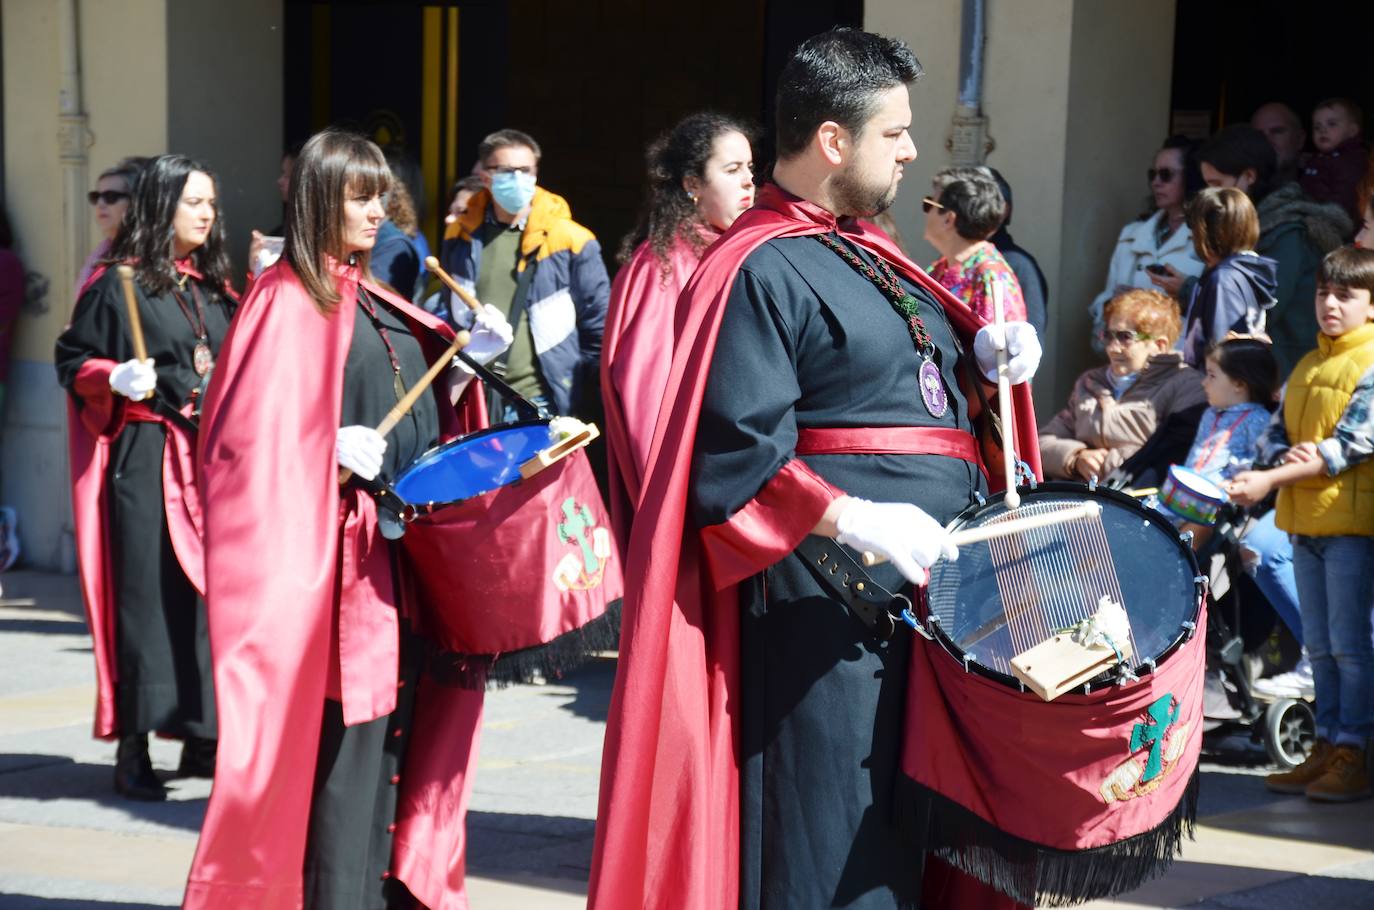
(1231, 296)
(568, 290)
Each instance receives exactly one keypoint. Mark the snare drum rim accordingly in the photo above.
(420, 509)
(1030, 493)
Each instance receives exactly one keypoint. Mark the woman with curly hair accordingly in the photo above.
(701, 177)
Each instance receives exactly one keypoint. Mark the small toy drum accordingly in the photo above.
(510, 546)
(1191, 496)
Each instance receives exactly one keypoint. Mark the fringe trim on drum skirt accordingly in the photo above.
(551, 660)
(1034, 874)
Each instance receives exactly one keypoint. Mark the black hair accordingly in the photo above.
(1240, 147)
(668, 211)
(972, 194)
(1249, 361)
(147, 237)
(1005, 189)
(838, 75)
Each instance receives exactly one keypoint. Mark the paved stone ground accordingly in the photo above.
(67, 843)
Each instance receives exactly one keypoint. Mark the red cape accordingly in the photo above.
(91, 429)
(636, 353)
(667, 833)
(300, 588)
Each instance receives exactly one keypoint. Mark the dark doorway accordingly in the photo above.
(1231, 56)
(594, 83)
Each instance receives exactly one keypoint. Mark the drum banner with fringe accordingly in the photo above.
(517, 582)
(1053, 803)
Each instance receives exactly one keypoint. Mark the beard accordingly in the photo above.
(860, 197)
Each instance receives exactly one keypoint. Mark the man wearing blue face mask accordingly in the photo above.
(518, 249)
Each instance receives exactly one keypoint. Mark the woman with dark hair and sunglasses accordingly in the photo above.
(324, 798)
(110, 200)
(133, 493)
(701, 178)
(1159, 239)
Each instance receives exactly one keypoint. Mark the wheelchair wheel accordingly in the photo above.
(1290, 728)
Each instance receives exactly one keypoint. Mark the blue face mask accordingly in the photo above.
(512, 190)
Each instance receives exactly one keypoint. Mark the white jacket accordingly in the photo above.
(1135, 249)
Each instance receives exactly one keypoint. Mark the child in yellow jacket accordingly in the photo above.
(1321, 440)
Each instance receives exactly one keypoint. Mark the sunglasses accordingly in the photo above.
(1122, 336)
(927, 204)
(109, 197)
(1166, 174)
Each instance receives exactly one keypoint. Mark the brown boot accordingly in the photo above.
(1345, 780)
(1295, 780)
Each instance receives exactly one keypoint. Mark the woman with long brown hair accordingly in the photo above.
(316, 666)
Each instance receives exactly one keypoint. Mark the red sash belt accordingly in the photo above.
(888, 441)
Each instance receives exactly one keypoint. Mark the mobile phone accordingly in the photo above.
(1155, 268)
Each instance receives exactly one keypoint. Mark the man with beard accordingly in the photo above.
(817, 395)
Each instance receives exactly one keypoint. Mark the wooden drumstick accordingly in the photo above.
(126, 278)
(408, 400)
(432, 263)
(1087, 509)
(1011, 497)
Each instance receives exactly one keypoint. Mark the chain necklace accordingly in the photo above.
(933, 393)
(370, 308)
(202, 360)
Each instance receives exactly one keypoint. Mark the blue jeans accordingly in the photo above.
(1273, 573)
(1336, 589)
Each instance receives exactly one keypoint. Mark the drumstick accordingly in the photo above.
(1011, 497)
(126, 278)
(1087, 509)
(432, 263)
(408, 400)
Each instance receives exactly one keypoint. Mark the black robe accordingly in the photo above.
(806, 341)
(348, 849)
(162, 644)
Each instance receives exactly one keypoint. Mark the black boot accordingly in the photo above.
(134, 775)
(197, 757)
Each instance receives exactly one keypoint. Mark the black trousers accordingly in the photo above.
(352, 813)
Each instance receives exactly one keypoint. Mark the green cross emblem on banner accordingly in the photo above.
(577, 521)
(1159, 718)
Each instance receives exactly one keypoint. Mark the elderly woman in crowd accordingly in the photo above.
(964, 209)
(1160, 240)
(1114, 409)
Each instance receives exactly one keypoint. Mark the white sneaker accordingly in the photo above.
(1296, 683)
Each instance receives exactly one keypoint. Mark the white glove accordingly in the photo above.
(134, 378)
(1023, 351)
(909, 538)
(360, 450)
(491, 335)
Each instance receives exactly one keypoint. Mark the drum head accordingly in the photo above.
(1003, 596)
(473, 464)
(1197, 483)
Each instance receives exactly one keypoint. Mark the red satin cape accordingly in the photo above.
(667, 833)
(636, 354)
(299, 582)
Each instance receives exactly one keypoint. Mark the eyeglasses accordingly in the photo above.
(109, 197)
(1122, 337)
(502, 169)
(1165, 174)
(927, 204)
